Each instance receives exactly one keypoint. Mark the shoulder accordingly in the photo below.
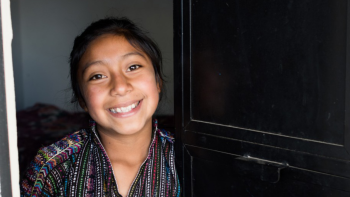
(48, 158)
(168, 152)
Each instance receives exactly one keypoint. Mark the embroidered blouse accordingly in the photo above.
(78, 165)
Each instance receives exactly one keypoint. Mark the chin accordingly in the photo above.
(133, 128)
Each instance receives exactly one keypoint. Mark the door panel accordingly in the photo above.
(262, 97)
(224, 180)
(278, 66)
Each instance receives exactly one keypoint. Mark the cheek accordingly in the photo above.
(93, 96)
(151, 88)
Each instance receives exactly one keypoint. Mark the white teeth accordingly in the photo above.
(124, 109)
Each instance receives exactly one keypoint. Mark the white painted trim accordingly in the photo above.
(7, 36)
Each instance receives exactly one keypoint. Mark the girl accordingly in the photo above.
(115, 77)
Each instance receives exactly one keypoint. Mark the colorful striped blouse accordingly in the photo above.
(78, 165)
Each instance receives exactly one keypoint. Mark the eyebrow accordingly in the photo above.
(133, 53)
(87, 65)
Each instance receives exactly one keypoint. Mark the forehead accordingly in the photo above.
(109, 44)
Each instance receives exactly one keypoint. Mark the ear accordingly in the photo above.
(83, 105)
(159, 86)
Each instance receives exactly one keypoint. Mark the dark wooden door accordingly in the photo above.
(262, 97)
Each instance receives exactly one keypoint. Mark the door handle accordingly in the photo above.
(270, 171)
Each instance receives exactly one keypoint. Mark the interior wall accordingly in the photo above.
(44, 32)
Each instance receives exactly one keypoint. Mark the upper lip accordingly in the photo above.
(125, 104)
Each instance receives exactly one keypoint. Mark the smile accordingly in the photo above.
(124, 109)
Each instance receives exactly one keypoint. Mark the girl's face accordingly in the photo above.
(118, 85)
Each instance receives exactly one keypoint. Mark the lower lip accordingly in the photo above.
(127, 114)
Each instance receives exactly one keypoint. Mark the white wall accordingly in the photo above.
(43, 37)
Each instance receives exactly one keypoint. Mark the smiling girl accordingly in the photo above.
(115, 77)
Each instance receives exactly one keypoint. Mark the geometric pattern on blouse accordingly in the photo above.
(78, 165)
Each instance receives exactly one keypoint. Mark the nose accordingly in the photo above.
(120, 85)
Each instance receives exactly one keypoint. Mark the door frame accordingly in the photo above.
(9, 169)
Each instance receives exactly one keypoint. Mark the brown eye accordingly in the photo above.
(133, 67)
(98, 76)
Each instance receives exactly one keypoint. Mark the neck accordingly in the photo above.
(127, 149)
